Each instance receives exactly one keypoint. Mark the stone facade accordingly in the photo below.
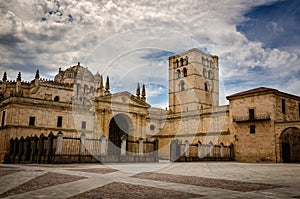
(262, 124)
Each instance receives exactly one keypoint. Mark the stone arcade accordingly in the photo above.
(261, 124)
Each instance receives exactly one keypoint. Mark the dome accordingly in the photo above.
(73, 73)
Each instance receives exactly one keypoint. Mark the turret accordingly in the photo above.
(144, 93)
(4, 83)
(100, 89)
(107, 86)
(138, 90)
(18, 83)
(37, 78)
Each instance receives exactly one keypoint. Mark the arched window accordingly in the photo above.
(206, 86)
(204, 73)
(92, 89)
(177, 63)
(210, 74)
(56, 99)
(184, 72)
(85, 89)
(181, 86)
(77, 89)
(211, 63)
(186, 60)
(178, 73)
(181, 61)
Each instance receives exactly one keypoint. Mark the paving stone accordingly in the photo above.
(207, 182)
(126, 190)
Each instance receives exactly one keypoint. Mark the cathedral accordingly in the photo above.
(261, 124)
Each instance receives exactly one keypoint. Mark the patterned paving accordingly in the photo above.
(96, 170)
(206, 182)
(46, 180)
(201, 180)
(126, 190)
(7, 171)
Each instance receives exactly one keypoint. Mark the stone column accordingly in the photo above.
(173, 150)
(103, 143)
(200, 155)
(123, 145)
(141, 144)
(211, 148)
(186, 148)
(221, 150)
(59, 143)
(82, 144)
(50, 148)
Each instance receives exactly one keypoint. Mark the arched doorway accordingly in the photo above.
(120, 125)
(290, 145)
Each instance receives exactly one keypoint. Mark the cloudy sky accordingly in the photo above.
(257, 41)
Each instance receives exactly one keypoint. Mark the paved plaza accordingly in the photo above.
(151, 180)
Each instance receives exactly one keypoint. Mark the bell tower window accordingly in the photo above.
(181, 86)
(206, 86)
(178, 74)
(184, 72)
(181, 61)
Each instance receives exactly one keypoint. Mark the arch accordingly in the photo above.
(77, 89)
(178, 73)
(120, 125)
(181, 86)
(181, 61)
(290, 144)
(186, 60)
(85, 89)
(210, 74)
(211, 63)
(206, 86)
(184, 72)
(56, 98)
(92, 90)
(204, 73)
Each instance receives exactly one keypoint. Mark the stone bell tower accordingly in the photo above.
(193, 81)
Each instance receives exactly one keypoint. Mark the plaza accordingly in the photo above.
(151, 180)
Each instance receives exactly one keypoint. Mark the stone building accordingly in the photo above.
(262, 124)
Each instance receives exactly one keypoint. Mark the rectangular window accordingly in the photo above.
(3, 118)
(252, 129)
(251, 114)
(83, 125)
(283, 105)
(299, 108)
(31, 121)
(59, 121)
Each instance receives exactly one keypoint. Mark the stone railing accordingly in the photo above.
(261, 117)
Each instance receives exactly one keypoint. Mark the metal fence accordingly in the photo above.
(186, 152)
(59, 149)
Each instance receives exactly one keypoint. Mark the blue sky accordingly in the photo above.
(257, 41)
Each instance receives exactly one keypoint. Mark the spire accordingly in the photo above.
(101, 82)
(107, 86)
(144, 93)
(37, 74)
(100, 89)
(19, 77)
(138, 90)
(4, 77)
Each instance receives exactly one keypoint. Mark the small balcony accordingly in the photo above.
(256, 118)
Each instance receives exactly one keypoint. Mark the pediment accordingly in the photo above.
(124, 98)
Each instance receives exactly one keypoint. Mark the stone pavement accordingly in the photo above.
(151, 180)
